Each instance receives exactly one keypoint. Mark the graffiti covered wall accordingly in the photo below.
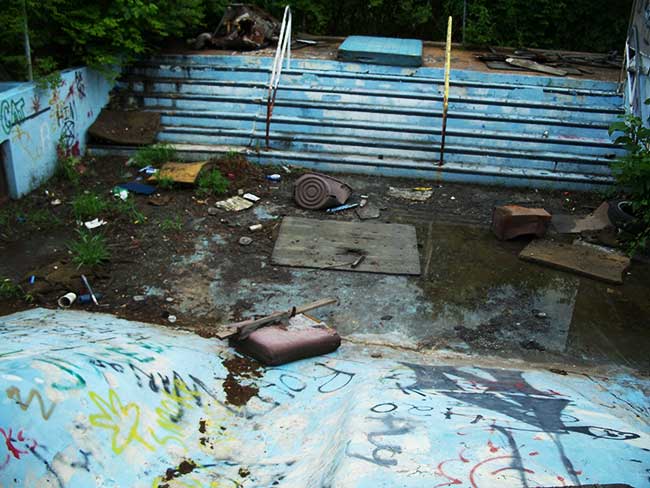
(92, 400)
(33, 122)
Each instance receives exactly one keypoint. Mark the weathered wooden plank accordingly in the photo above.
(584, 260)
(310, 243)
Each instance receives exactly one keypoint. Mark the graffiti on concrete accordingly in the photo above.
(91, 397)
(12, 113)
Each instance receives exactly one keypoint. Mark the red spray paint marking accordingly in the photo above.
(534, 453)
(492, 447)
(452, 480)
(476, 466)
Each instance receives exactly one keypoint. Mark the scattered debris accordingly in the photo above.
(315, 191)
(171, 319)
(302, 337)
(245, 241)
(571, 224)
(87, 298)
(255, 227)
(242, 27)
(93, 224)
(138, 188)
(120, 193)
(185, 173)
(139, 298)
(234, 204)
(56, 202)
(244, 328)
(67, 300)
(586, 260)
(148, 170)
(274, 177)
(90, 290)
(510, 221)
(213, 211)
(368, 212)
(251, 197)
(159, 200)
(414, 194)
(340, 208)
(533, 66)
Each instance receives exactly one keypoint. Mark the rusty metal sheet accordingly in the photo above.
(311, 243)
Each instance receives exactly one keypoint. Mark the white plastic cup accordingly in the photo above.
(67, 300)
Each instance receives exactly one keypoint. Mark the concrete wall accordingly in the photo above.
(33, 121)
(88, 399)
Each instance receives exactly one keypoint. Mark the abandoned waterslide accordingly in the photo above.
(342, 305)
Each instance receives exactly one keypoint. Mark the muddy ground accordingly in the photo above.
(474, 294)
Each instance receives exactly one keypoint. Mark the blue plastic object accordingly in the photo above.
(382, 50)
(138, 188)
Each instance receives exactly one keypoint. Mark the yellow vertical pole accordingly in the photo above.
(445, 103)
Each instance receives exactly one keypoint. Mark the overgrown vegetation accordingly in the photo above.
(174, 224)
(632, 173)
(69, 33)
(129, 209)
(66, 169)
(10, 290)
(212, 182)
(154, 155)
(165, 182)
(87, 206)
(88, 249)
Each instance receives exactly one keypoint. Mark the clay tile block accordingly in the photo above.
(510, 221)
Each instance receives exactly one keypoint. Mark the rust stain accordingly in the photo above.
(240, 368)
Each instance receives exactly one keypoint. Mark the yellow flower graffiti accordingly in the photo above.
(122, 420)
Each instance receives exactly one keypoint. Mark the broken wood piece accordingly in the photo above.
(532, 65)
(186, 173)
(590, 261)
(244, 328)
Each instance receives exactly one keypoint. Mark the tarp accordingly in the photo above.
(93, 400)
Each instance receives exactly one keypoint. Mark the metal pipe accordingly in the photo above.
(445, 103)
(28, 49)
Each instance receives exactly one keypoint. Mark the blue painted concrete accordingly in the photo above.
(538, 131)
(93, 400)
(381, 50)
(33, 121)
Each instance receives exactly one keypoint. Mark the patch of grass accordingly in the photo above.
(6, 217)
(165, 183)
(212, 183)
(175, 224)
(10, 290)
(154, 155)
(89, 249)
(88, 206)
(129, 209)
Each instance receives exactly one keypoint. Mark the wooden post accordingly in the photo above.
(445, 103)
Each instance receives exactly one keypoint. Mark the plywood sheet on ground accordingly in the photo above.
(122, 127)
(180, 172)
(584, 260)
(331, 244)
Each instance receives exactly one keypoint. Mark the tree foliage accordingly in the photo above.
(100, 33)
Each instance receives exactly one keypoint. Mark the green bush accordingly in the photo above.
(154, 155)
(10, 290)
(212, 183)
(165, 182)
(89, 206)
(632, 173)
(89, 249)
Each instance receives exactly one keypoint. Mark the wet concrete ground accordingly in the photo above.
(474, 295)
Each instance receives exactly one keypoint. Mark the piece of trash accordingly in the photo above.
(234, 204)
(422, 188)
(363, 202)
(186, 173)
(251, 197)
(245, 241)
(410, 194)
(93, 224)
(32, 279)
(139, 188)
(286, 169)
(273, 177)
(240, 192)
(149, 170)
(159, 200)
(300, 338)
(90, 290)
(87, 298)
(67, 300)
(120, 193)
(315, 191)
(452, 198)
(139, 298)
(169, 299)
(340, 208)
(55, 202)
(358, 261)
(540, 315)
(510, 221)
(255, 227)
(213, 211)
(171, 319)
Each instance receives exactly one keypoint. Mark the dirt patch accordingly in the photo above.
(241, 368)
(239, 170)
(185, 467)
(125, 127)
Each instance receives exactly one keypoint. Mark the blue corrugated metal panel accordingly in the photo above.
(512, 122)
(94, 400)
(381, 50)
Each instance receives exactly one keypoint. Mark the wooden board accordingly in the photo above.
(584, 260)
(332, 244)
(180, 172)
